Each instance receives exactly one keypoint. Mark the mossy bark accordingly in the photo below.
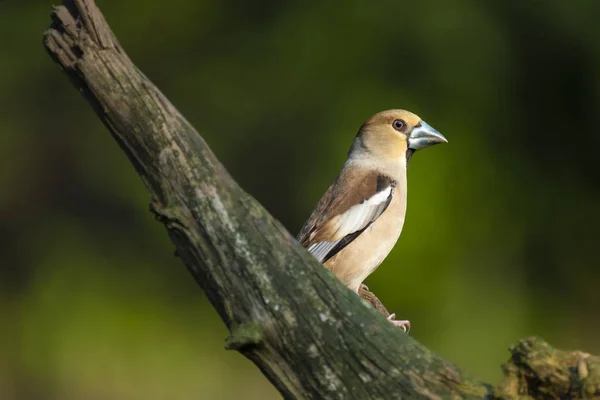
(310, 336)
(537, 371)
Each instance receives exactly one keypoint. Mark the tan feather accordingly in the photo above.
(352, 203)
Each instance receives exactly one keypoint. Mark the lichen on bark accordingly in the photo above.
(309, 335)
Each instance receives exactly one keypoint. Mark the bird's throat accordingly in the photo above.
(409, 153)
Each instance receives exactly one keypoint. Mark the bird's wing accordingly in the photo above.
(346, 210)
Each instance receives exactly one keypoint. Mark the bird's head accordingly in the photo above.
(394, 134)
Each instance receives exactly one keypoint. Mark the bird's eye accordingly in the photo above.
(399, 125)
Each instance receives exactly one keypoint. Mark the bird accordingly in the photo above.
(360, 217)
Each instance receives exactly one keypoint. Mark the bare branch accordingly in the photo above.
(311, 337)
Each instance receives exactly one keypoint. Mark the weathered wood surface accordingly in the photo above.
(310, 336)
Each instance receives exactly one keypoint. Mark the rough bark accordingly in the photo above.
(537, 371)
(309, 335)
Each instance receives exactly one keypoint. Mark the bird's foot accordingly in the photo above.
(403, 324)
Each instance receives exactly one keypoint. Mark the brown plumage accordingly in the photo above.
(352, 188)
(359, 219)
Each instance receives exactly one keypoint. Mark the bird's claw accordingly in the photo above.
(403, 324)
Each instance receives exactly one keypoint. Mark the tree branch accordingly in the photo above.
(537, 371)
(310, 336)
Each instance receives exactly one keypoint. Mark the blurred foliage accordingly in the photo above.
(502, 231)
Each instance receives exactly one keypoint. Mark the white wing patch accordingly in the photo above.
(321, 249)
(355, 219)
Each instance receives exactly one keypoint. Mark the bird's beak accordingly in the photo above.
(423, 135)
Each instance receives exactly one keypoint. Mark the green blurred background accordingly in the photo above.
(501, 237)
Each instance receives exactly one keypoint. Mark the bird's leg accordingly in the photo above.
(403, 324)
(370, 297)
(363, 291)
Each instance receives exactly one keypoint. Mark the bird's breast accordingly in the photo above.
(360, 258)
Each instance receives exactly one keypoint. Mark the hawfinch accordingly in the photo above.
(359, 219)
